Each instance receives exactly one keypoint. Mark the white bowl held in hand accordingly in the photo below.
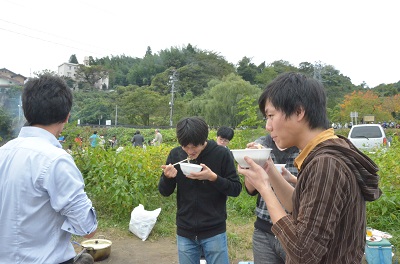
(187, 168)
(279, 167)
(259, 156)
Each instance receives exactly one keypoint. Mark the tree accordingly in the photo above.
(5, 123)
(364, 103)
(44, 72)
(248, 109)
(91, 106)
(173, 57)
(334, 114)
(392, 105)
(142, 104)
(222, 98)
(90, 74)
(267, 74)
(190, 49)
(336, 85)
(306, 68)
(247, 70)
(282, 66)
(144, 72)
(148, 52)
(73, 59)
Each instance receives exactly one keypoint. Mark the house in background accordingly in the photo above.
(9, 78)
(68, 69)
(11, 102)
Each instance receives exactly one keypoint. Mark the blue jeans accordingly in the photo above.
(215, 250)
(267, 249)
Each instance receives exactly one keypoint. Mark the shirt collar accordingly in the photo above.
(321, 137)
(30, 131)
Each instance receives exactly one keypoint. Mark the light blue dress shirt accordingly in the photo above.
(42, 200)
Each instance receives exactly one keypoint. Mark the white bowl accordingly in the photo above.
(259, 156)
(187, 168)
(279, 167)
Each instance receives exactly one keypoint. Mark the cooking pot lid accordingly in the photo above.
(96, 243)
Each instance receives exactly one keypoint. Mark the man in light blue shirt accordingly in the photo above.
(94, 139)
(42, 197)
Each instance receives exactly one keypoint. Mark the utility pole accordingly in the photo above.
(172, 79)
(116, 114)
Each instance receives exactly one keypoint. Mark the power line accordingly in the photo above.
(51, 34)
(60, 44)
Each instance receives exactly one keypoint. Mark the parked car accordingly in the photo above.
(368, 137)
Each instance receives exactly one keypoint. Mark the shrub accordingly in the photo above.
(117, 182)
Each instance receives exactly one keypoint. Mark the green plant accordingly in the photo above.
(118, 182)
(384, 213)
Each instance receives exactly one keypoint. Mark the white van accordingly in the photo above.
(368, 137)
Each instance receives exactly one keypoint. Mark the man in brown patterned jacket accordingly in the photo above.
(327, 218)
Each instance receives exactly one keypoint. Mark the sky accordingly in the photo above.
(360, 38)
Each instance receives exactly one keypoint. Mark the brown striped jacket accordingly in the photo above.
(328, 221)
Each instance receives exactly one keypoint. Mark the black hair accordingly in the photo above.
(46, 100)
(292, 91)
(192, 130)
(225, 132)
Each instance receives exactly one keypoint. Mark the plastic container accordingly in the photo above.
(378, 252)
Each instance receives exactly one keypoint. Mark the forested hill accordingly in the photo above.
(144, 83)
(163, 87)
(196, 67)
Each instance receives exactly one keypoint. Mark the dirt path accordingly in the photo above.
(134, 250)
(128, 248)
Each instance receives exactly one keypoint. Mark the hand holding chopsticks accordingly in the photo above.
(180, 162)
(170, 171)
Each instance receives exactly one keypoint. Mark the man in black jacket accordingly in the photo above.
(201, 196)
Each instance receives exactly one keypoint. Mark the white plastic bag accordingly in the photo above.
(143, 221)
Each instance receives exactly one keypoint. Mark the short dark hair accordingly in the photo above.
(46, 100)
(192, 130)
(225, 132)
(290, 91)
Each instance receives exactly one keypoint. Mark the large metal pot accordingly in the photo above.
(99, 248)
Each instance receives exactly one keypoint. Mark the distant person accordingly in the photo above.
(201, 197)
(78, 140)
(266, 248)
(42, 197)
(113, 141)
(137, 139)
(327, 207)
(157, 139)
(94, 139)
(102, 141)
(224, 135)
(69, 149)
(61, 139)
